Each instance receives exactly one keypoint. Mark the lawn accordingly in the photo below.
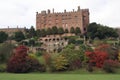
(36, 76)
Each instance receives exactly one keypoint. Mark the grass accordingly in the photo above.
(33, 76)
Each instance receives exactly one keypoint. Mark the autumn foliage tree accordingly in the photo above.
(98, 56)
(18, 62)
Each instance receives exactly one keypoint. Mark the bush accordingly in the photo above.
(18, 62)
(74, 57)
(110, 66)
(35, 65)
(79, 42)
(97, 58)
(47, 58)
(89, 67)
(76, 64)
(119, 56)
(59, 63)
(31, 42)
(112, 51)
(2, 68)
(39, 53)
(71, 41)
(5, 52)
(21, 62)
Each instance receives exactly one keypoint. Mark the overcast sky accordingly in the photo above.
(22, 13)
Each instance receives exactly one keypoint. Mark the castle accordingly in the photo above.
(66, 20)
(11, 31)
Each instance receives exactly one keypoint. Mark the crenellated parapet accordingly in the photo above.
(66, 19)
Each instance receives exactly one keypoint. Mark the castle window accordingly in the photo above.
(84, 29)
(75, 16)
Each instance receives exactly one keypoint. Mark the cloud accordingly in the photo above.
(23, 12)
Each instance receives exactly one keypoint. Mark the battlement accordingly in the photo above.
(66, 19)
(65, 11)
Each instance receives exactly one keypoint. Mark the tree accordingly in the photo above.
(19, 36)
(59, 62)
(118, 31)
(38, 33)
(5, 54)
(77, 31)
(60, 30)
(66, 31)
(32, 32)
(95, 30)
(98, 56)
(3, 36)
(54, 30)
(43, 33)
(73, 56)
(18, 62)
(31, 42)
(72, 30)
(21, 62)
(49, 31)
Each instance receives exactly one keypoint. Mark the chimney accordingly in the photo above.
(73, 10)
(53, 10)
(78, 8)
(36, 13)
(65, 11)
(48, 11)
(17, 26)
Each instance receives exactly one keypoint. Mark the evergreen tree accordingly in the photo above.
(49, 31)
(77, 31)
(66, 31)
(19, 36)
(3, 36)
(54, 30)
(43, 32)
(32, 32)
(60, 31)
(72, 30)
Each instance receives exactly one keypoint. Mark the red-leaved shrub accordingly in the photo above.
(110, 65)
(18, 62)
(97, 57)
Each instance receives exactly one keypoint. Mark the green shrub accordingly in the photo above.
(79, 42)
(39, 53)
(2, 68)
(5, 52)
(74, 57)
(59, 63)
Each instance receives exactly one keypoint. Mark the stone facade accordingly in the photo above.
(79, 18)
(53, 43)
(10, 31)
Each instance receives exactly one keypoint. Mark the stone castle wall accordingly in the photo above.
(79, 18)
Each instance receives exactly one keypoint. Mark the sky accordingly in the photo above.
(22, 13)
